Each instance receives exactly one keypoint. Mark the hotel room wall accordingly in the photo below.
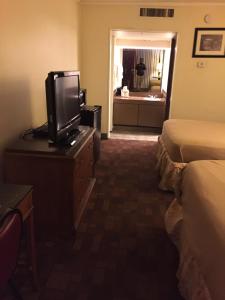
(197, 93)
(36, 37)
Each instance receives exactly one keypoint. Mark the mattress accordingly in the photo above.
(189, 140)
(203, 225)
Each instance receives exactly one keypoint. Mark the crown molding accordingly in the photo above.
(152, 3)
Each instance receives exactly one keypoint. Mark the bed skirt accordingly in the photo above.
(191, 282)
(169, 171)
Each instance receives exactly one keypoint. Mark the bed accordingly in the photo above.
(197, 226)
(183, 141)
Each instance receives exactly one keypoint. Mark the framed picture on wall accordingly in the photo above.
(209, 42)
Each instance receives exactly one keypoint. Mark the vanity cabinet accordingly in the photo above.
(136, 111)
(151, 114)
(125, 114)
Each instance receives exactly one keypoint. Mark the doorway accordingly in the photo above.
(155, 50)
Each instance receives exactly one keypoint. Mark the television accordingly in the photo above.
(63, 105)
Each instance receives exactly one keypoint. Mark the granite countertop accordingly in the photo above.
(138, 99)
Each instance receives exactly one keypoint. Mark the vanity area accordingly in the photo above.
(146, 111)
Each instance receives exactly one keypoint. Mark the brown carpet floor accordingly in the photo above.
(121, 251)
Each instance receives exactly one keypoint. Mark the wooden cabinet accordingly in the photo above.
(134, 111)
(83, 181)
(125, 114)
(63, 178)
(152, 115)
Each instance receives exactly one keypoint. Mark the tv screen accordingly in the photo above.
(63, 108)
(67, 101)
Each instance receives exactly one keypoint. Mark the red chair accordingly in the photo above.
(10, 235)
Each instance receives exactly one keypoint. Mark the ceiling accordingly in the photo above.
(153, 2)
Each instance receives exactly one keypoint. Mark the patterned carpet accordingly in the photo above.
(121, 251)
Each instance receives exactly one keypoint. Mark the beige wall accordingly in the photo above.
(36, 37)
(197, 93)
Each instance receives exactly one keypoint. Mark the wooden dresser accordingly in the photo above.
(62, 177)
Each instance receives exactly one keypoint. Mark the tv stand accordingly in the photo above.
(72, 138)
(41, 131)
(62, 176)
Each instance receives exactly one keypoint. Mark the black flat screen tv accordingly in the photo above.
(63, 107)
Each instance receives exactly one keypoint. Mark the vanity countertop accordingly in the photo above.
(138, 99)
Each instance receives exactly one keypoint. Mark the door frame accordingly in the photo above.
(170, 76)
(111, 70)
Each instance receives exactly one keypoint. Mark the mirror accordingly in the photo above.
(142, 69)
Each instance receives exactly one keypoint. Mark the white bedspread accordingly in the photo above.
(203, 226)
(183, 141)
(189, 140)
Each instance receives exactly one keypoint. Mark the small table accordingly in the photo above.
(20, 197)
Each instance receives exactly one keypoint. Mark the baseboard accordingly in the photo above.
(104, 136)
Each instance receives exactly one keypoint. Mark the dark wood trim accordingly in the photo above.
(170, 76)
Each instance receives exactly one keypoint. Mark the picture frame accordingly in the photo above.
(209, 42)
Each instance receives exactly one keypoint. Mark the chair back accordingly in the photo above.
(10, 235)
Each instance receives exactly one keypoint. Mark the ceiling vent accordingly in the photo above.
(157, 12)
